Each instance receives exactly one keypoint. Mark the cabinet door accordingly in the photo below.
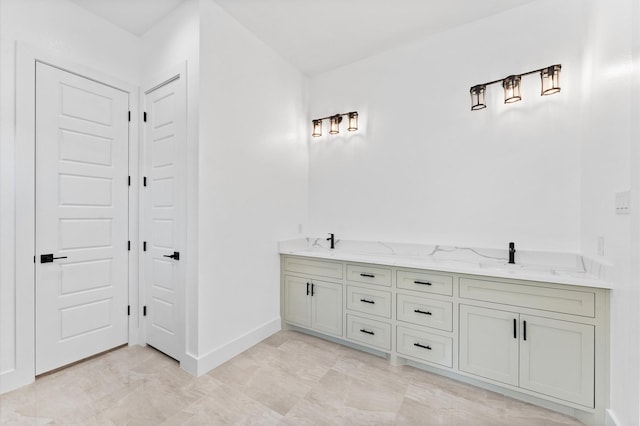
(297, 304)
(489, 343)
(557, 359)
(326, 307)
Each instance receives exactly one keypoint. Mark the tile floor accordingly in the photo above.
(289, 379)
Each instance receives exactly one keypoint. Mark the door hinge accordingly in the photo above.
(144, 311)
(144, 181)
(129, 115)
(129, 245)
(144, 246)
(34, 259)
(128, 310)
(144, 116)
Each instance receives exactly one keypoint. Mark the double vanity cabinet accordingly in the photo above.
(543, 342)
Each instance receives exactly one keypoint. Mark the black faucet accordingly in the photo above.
(333, 242)
(512, 252)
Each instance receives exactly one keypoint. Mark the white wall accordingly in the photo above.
(252, 181)
(60, 29)
(173, 41)
(424, 168)
(610, 163)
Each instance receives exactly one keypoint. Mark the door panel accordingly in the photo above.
(488, 347)
(163, 221)
(558, 359)
(297, 300)
(326, 307)
(82, 215)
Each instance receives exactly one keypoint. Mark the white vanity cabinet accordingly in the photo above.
(312, 302)
(545, 343)
(549, 356)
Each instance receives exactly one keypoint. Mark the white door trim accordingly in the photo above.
(177, 72)
(24, 368)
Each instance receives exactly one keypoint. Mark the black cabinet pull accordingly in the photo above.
(515, 325)
(362, 330)
(422, 282)
(418, 311)
(175, 255)
(524, 330)
(367, 275)
(312, 287)
(307, 289)
(422, 346)
(368, 301)
(48, 258)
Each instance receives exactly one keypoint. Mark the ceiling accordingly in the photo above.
(319, 35)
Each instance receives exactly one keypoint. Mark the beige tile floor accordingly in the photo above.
(289, 379)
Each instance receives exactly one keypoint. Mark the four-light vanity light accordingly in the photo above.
(550, 77)
(334, 123)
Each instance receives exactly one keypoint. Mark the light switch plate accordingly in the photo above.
(623, 202)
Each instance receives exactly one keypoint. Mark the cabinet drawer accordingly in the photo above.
(425, 346)
(320, 268)
(528, 296)
(369, 274)
(425, 282)
(426, 312)
(374, 302)
(370, 332)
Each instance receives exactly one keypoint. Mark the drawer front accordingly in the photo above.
(370, 332)
(425, 282)
(319, 268)
(374, 302)
(528, 296)
(425, 312)
(369, 274)
(425, 346)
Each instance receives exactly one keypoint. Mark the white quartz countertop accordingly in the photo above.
(552, 267)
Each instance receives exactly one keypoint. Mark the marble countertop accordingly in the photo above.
(552, 267)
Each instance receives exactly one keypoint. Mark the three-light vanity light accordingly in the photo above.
(550, 77)
(334, 123)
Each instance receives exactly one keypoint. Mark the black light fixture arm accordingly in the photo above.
(334, 115)
(521, 75)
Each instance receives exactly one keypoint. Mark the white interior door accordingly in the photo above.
(163, 225)
(81, 217)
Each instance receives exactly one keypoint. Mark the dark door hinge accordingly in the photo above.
(129, 310)
(129, 180)
(144, 181)
(144, 246)
(128, 245)
(144, 116)
(129, 115)
(144, 311)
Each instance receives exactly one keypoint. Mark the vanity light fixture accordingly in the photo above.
(550, 79)
(334, 123)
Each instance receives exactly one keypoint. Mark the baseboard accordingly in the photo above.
(610, 419)
(218, 356)
(14, 379)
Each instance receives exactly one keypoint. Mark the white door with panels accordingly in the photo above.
(163, 225)
(81, 262)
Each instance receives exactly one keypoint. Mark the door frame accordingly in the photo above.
(26, 58)
(177, 73)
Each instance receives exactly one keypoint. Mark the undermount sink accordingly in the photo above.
(513, 268)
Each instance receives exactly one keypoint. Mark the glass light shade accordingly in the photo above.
(317, 128)
(353, 122)
(477, 97)
(511, 87)
(550, 80)
(334, 124)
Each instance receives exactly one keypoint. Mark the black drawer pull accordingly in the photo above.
(367, 275)
(524, 330)
(418, 311)
(312, 288)
(307, 289)
(368, 301)
(515, 326)
(422, 282)
(422, 346)
(362, 330)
